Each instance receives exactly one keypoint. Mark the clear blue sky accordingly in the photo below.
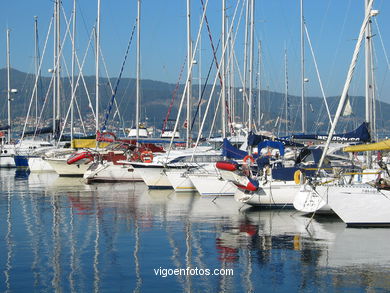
(332, 24)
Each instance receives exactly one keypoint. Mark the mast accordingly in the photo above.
(344, 94)
(200, 78)
(73, 71)
(36, 64)
(252, 19)
(232, 96)
(259, 86)
(368, 79)
(8, 88)
(137, 110)
(189, 68)
(54, 66)
(303, 71)
(223, 73)
(286, 89)
(97, 67)
(244, 98)
(58, 67)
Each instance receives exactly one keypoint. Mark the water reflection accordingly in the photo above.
(9, 243)
(21, 174)
(102, 237)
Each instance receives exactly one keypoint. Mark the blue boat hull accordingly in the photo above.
(21, 162)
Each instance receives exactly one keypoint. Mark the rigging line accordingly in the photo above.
(58, 61)
(81, 119)
(110, 84)
(240, 76)
(106, 72)
(124, 103)
(215, 114)
(73, 96)
(186, 83)
(39, 58)
(174, 94)
(347, 83)
(257, 80)
(338, 44)
(215, 80)
(79, 112)
(36, 81)
(212, 44)
(382, 44)
(217, 65)
(318, 73)
(229, 61)
(43, 107)
(80, 75)
(203, 91)
(118, 79)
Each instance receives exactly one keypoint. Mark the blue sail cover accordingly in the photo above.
(230, 151)
(361, 134)
(5, 127)
(255, 139)
(272, 144)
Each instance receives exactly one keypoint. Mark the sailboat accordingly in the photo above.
(7, 149)
(357, 204)
(106, 170)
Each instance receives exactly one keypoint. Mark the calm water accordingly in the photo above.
(58, 234)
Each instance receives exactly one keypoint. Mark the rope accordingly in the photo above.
(118, 80)
(203, 91)
(217, 65)
(174, 94)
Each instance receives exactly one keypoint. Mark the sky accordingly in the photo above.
(333, 26)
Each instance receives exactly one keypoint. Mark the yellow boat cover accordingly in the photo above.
(87, 143)
(377, 146)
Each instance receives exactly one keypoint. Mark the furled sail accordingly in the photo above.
(361, 134)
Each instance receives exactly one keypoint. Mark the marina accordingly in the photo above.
(59, 234)
(195, 146)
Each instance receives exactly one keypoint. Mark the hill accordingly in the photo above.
(156, 98)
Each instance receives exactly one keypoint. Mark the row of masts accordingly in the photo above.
(248, 97)
(57, 68)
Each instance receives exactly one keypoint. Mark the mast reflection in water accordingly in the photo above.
(59, 234)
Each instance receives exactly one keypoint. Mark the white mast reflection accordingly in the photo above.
(136, 260)
(8, 239)
(56, 257)
(96, 283)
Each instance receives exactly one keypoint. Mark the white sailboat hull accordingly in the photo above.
(7, 152)
(209, 184)
(180, 181)
(308, 201)
(110, 172)
(273, 194)
(38, 164)
(358, 204)
(153, 175)
(62, 168)
(7, 161)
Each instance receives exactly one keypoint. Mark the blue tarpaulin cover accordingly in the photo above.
(272, 144)
(255, 139)
(361, 134)
(230, 151)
